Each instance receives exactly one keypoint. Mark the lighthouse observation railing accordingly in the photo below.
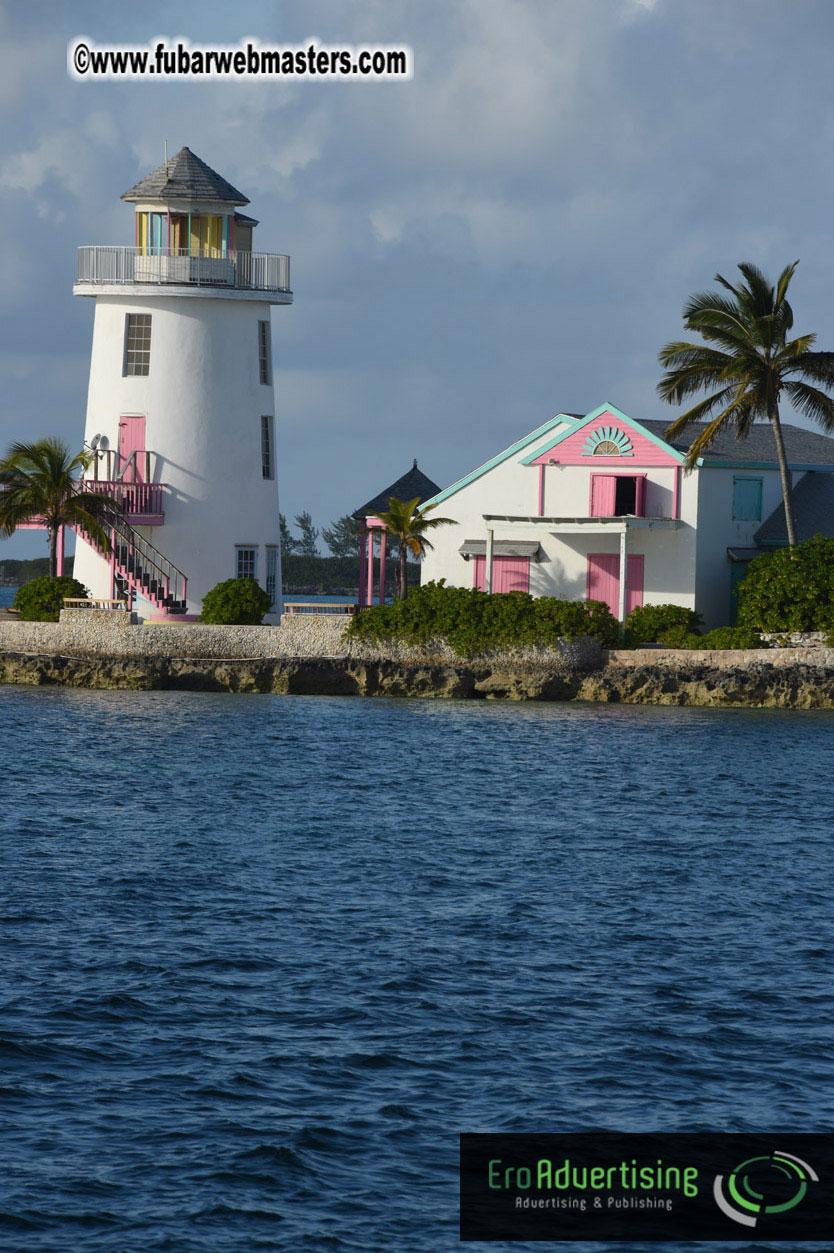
(252, 271)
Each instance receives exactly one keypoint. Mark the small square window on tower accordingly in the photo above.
(267, 442)
(264, 352)
(137, 354)
(246, 562)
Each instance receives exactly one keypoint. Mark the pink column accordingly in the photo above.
(382, 545)
(370, 582)
(60, 551)
(362, 568)
(113, 565)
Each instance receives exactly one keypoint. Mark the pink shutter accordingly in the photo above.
(640, 500)
(604, 580)
(603, 495)
(634, 582)
(511, 574)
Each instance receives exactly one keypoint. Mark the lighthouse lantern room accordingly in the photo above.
(180, 409)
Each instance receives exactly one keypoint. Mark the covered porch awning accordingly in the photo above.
(562, 526)
(745, 554)
(502, 548)
(619, 526)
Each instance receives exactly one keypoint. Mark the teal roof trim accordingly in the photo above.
(592, 417)
(553, 422)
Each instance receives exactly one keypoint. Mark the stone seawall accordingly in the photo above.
(308, 655)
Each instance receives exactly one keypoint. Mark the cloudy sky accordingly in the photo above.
(510, 234)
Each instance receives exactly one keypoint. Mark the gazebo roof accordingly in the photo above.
(413, 483)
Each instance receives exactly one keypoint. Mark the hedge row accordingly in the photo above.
(473, 622)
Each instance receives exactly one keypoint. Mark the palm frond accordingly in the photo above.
(782, 284)
(736, 413)
(697, 412)
(817, 366)
(812, 402)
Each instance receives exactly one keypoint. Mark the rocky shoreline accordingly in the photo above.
(780, 682)
(311, 655)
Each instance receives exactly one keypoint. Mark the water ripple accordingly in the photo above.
(265, 958)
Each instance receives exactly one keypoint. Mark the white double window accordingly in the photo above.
(246, 562)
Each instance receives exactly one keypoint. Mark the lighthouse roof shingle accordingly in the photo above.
(184, 177)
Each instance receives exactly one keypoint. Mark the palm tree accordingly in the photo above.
(746, 364)
(408, 525)
(42, 480)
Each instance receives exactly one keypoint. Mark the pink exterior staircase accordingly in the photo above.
(141, 568)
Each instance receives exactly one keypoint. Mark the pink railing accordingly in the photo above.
(140, 502)
(136, 499)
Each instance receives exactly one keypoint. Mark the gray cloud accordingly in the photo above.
(512, 233)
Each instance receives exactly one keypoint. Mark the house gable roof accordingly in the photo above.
(184, 177)
(804, 448)
(413, 483)
(518, 446)
(619, 419)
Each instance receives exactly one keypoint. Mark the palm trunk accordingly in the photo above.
(53, 552)
(403, 588)
(784, 473)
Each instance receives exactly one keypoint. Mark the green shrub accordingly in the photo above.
(789, 590)
(646, 623)
(236, 602)
(720, 637)
(472, 622)
(731, 637)
(679, 637)
(43, 599)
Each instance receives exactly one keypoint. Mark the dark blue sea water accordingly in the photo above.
(264, 958)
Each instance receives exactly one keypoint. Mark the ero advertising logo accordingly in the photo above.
(661, 1187)
(772, 1184)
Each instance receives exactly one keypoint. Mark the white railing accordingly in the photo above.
(256, 271)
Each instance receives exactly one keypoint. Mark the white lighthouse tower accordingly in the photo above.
(180, 409)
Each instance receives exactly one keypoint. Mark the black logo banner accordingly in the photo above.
(664, 1186)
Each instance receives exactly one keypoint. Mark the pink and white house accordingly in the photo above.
(598, 506)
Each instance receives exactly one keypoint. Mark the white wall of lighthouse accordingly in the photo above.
(203, 404)
(204, 395)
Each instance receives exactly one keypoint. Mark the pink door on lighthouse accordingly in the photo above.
(604, 580)
(132, 439)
